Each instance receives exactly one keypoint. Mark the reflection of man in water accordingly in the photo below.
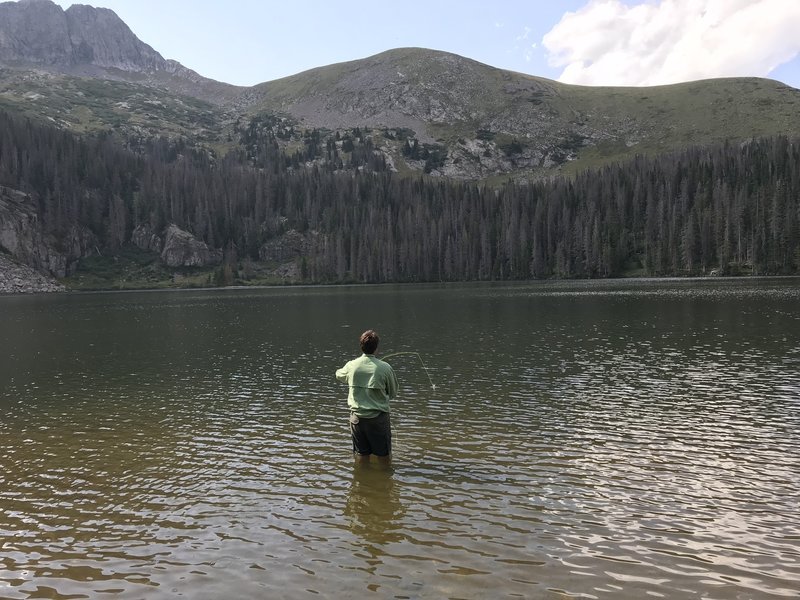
(372, 384)
(373, 508)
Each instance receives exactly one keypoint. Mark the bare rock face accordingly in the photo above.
(100, 37)
(21, 236)
(39, 32)
(33, 31)
(144, 238)
(182, 249)
(93, 42)
(289, 246)
(16, 278)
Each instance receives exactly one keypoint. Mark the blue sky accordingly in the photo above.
(599, 42)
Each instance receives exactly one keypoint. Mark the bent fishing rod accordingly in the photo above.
(422, 362)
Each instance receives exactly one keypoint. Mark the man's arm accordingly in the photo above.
(341, 374)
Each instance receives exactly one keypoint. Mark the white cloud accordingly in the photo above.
(610, 43)
(529, 52)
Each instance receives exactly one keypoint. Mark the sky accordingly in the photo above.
(587, 42)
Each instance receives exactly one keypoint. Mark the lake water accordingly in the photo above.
(615, 440)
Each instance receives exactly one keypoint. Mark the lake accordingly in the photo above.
(599, 439)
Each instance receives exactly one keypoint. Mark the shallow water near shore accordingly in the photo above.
(611, 439)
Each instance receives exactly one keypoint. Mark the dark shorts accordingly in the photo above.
(372, 436)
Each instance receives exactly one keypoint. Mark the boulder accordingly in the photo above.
(182, 249)
(288, 246)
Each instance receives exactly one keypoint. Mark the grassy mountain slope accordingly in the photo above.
(655, 119)
(480, 122)
(496, 121)
(84, 105)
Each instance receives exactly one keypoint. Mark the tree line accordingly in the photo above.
(732, 208)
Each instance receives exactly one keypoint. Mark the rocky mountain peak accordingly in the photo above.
(40, 33)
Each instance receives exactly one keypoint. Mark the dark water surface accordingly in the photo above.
(616, 440)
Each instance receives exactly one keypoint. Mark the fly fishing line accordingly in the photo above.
(422, 362)
(424, 366)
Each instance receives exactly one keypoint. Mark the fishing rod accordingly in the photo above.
(422, 362)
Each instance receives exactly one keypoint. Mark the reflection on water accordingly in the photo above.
(374, 508)
(584, 440)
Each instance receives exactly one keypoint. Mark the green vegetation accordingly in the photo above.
(649, 185)
(91, 105)
(578, 127)
(130, 268)
(522, 126)
(731, 208)
(511, 147)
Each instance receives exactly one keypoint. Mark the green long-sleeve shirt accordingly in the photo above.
(372, 384)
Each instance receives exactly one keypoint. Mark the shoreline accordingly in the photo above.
(19, 280)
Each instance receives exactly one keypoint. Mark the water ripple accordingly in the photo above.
(583, 441)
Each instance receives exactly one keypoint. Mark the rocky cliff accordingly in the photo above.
(39, 32)
(94, 42)
(22, 237)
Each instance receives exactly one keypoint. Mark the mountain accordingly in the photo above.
(92, 42)
(492, 121)
(39, 32)
(424, 110)
(113, 156)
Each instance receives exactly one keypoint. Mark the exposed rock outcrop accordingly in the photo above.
(101, 38)
(182, 249)
(289, 246)
(144, 238)
(39, 32)
(87, 41)
(22, 237)
(16, 278)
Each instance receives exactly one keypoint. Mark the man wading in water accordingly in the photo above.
(372, 384)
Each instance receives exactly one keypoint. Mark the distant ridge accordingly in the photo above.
(424, 110)
(494, 121)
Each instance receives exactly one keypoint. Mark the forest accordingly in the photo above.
(728, 209)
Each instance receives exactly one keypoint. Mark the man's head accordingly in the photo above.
(369, 341)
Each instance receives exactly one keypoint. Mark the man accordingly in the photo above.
(372, 384)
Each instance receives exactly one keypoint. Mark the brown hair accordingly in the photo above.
(369, 341)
